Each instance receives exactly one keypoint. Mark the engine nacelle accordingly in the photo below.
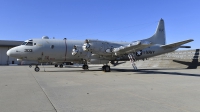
(77, 51)
(97, 47)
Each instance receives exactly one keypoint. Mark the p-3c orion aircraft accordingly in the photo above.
(94, 51)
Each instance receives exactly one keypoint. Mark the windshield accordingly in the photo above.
(24, 43)
(29, 44)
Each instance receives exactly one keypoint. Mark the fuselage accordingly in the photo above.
(55, 50)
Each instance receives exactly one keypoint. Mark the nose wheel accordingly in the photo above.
(106, 68)
(37, 69)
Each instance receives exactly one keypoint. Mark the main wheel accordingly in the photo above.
(61, 66)
(56, 65)
(37, 69)
(103, 68)
(85, 67)
(106, 68)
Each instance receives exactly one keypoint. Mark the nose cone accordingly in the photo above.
(13, 53)
(9, 52)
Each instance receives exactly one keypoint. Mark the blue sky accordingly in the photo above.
(111, 20)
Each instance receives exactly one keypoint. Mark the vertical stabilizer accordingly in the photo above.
(159, 36)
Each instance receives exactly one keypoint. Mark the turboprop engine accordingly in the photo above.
(79, 52)
(97, 47)
(87, 55)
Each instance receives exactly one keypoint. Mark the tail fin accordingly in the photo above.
(159, 36)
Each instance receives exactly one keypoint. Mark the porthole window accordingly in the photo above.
(52, 46)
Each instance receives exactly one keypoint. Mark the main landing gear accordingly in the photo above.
(61, 65)
(85, 67)
(106, 68)
(37, 69)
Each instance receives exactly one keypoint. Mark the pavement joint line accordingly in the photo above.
(42, 89)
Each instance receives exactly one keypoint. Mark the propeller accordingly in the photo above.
(86, 45)
(74, 50)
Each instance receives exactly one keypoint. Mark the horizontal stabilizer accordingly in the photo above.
(185, 47)
(177, 44)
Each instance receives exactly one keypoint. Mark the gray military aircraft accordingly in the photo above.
(92, 51)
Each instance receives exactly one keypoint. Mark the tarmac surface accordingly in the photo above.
(121, 90)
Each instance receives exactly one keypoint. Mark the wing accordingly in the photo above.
(177, 44)
(135, 46)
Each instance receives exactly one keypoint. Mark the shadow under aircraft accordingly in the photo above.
(191, 65)
(157, 71)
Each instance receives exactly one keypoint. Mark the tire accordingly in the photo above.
(86, 67)
(83, 67)
(37, 69)
(103, 68)
(56, 65)
(61, 66)
(106, 68)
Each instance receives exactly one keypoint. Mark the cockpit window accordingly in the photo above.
(29, 44)
(24, 43)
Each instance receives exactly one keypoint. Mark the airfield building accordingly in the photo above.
(5, 45)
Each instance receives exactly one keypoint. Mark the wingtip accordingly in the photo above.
(191, 39)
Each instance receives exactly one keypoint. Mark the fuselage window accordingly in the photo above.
(52, 46)
(29, 44)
